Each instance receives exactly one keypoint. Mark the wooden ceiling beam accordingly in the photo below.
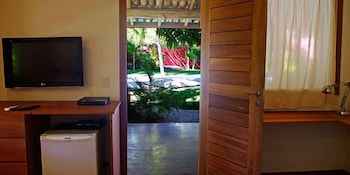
(192, 4)
(163, 4)
(152, 13)
(164, 25)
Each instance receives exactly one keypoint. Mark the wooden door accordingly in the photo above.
(234, 37)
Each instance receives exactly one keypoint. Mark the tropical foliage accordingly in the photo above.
(153, 102)
(173, 38)
(188, 38)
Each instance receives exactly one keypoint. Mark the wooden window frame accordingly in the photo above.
(339, 40)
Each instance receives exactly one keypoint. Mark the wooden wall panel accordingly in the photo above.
(228, 130)
(230, 65)
(234, 50)
(231, 104)
(230, 51)
(227, 141)
(229, 154)
(228, 116)
(232, 11)
(235, 37)
(222, 77)
(218, 3)
(218, 166)
(231, 24)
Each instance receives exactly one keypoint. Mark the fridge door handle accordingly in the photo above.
(66, 138)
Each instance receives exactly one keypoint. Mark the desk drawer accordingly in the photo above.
(12, 125)
(12, 150)
(13, 169)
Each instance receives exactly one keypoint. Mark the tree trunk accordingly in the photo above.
(160, 57)
(194, 64)
(133, 61)
(187, 58)
(187, 63)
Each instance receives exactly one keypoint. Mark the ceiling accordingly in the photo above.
(164, 13)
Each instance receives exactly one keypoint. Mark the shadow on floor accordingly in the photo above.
(163, 149)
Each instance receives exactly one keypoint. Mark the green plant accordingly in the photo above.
(194, 54)
(154, 103)
(180, 37)
(132, 51)
(148, 65)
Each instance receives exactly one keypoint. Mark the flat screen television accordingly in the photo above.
(43, 62)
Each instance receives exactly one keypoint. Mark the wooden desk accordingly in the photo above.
(20, 134)
(300, 117)
(285, 117)
(345, 120)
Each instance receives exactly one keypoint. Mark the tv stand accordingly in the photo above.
(20, 133)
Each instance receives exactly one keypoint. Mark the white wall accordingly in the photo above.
(95, 20)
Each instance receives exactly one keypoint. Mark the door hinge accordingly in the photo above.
(257, 93)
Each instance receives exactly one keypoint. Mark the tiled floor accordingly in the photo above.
(163, 149)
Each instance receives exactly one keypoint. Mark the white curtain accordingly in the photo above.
(301, 37)
(300, 44)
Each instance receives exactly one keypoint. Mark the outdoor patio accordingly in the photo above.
(163, 149)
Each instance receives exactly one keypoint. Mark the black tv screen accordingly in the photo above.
(43, 62)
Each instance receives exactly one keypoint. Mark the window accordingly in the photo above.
(301, 52)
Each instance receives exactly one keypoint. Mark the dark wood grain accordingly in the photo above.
(234, 57)
(230, 117)
(13, 150)
(230, 65)
(345, 120)
(116, 140)
(12, 125)
(226, 77)
(219, 3)
(13, 169)
(123, 85)
(59, 108)
(230, 104)
(204, 103)
(228, 25)
(228, 130)
(232, 11)
(300, 117)
(339, 44)
(218, 166)
(334, 172)
(233, 37)
(232, 155)
(230, 51)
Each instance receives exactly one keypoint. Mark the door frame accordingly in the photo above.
(123, 108)
(122, 36)
(203, 111)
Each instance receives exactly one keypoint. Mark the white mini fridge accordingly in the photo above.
(69, 153)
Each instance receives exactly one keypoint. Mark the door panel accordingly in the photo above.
(234, 37)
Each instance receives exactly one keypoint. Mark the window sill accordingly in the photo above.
(345, 120)
(271, 117)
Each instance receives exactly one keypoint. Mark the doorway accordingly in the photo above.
(163, 87)
(233, 62)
